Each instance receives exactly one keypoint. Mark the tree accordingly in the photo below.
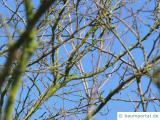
(69, 59)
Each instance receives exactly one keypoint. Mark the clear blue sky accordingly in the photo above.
(112, 106)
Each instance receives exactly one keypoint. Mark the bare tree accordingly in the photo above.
(69, 59)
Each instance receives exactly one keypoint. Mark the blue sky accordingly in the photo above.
(128, 38)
